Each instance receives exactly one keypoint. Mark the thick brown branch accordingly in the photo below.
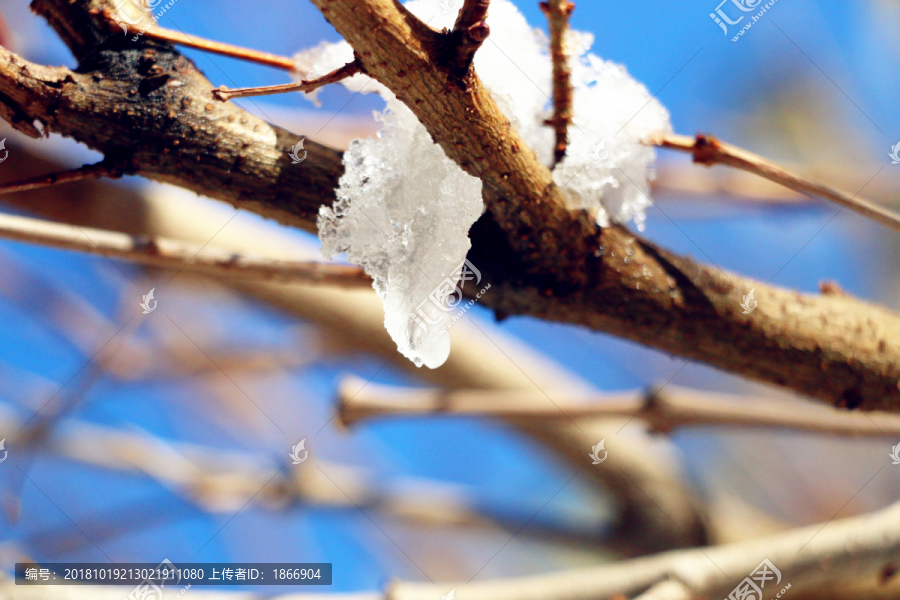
(663, 410)
(558, 12)
(145, 106)
(307, 85)
(172, 254)
(709, 151)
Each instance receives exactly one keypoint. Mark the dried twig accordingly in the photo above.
(94, 171)
(558, 12)
(176, 37)
(663, 410)
(172, 254)
(307, 85)
(707, 150)
(469, 32)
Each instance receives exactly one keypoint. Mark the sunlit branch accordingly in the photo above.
(172, 254)
(663, 410)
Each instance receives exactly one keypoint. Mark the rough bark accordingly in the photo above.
(148, 109)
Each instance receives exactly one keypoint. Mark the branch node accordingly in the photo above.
(706, 148)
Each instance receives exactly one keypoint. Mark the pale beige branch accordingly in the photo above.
(667, 590)
(858, 552)
(173, 254)
(222, 480)
(709, 151)
(663, 410)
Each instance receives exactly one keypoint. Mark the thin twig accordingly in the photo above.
(176, 37)
(172, 254)
(707, 150)
(662, 410)
(307, 85)
(94, 171)
(558, 12)
(469, 32)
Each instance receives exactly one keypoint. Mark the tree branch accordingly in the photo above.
(663, 410)
(94, 171)
(857, 551)
(192, 41)
(307, 85)
(558, 13)
(172, 254)
(541, 259)
(709, 151)
(144, 105)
